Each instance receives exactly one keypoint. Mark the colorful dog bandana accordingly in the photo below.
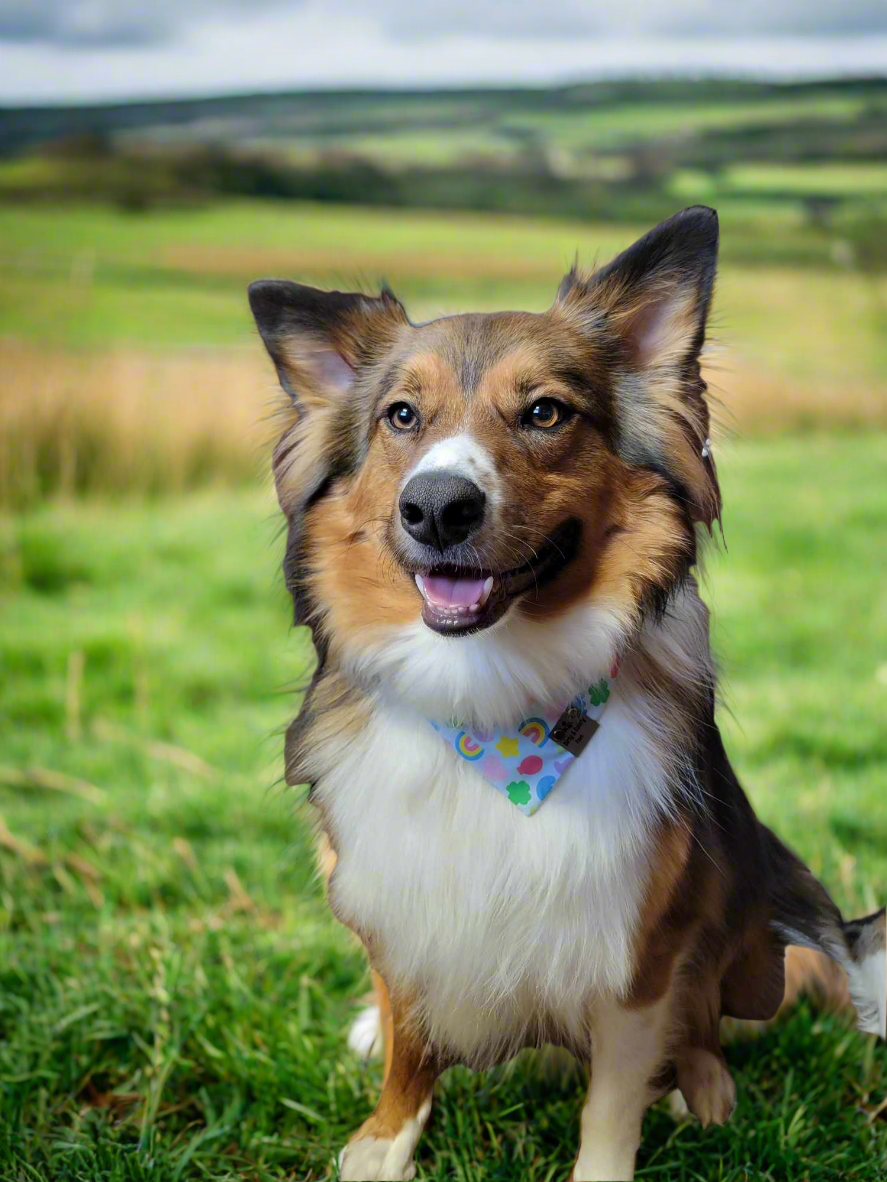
(525, 763)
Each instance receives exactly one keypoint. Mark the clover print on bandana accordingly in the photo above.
(519, 792)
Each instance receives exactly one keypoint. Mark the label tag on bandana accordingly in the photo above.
(526, 762)
(573, 730)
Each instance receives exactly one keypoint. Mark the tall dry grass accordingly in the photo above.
(132, 422)
(128, 421)
(748, 402)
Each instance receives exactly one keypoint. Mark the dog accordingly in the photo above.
(527, 814)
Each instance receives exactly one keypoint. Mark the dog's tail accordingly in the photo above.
(835, 959)
(810, 973)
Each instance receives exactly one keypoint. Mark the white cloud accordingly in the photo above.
(123, 23)
(330, 43)
(626, 18)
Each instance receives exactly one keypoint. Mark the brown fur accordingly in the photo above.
(410, 1075)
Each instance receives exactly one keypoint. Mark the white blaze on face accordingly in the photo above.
(463, 456)
(457, 599)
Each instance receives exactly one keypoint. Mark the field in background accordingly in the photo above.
(619, 151)
(129, 362)
(173, 989)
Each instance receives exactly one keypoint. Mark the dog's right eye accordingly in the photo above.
(402, 417)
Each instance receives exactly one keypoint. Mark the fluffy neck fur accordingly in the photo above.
(503, 923)
(492, 677)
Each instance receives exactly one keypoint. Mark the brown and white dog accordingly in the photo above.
(544, 476)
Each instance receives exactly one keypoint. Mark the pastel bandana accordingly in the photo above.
(525, 763)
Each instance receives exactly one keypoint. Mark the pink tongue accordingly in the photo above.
(443, 591)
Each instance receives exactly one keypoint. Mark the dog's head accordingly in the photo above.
(482, 508)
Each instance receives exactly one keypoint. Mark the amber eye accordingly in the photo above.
(545, 414)
(401, 416)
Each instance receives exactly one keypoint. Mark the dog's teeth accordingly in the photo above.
(475, 607)
(488, 587)
(420, 583)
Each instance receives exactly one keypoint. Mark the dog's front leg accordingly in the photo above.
(629, 1048)
(383, 1146)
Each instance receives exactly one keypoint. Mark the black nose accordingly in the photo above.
(441, 509)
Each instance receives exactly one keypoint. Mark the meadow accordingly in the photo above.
(173, 990)
(129, 362)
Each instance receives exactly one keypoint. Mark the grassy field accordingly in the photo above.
(173, 991)
(90, 277)
(607, 151)
(128, 361)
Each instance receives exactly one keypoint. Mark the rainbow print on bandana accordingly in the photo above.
(536, 730)
(525, 763)
(467, 746)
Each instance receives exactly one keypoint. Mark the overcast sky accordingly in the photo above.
(82, 49)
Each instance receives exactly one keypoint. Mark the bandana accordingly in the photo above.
(526, 762)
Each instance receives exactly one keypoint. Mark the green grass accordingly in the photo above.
(835, 179)
(600, 127)
(178, 277)
(173, 989)
(95, 277)
(612, 125)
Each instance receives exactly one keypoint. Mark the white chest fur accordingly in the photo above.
(503, 924)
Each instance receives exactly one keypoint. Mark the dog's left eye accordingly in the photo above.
(545, 413)
(401, 416)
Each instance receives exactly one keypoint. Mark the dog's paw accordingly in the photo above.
(370, 1158)
(677, 1106)
(376, 1158)
(365, 1034)
(707, 1086)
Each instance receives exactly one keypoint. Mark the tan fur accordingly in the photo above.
(629, 1048)
(663, 931)
(326, 863)
(811, 974)
(405, 1101)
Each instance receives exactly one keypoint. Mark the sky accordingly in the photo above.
(82, 50)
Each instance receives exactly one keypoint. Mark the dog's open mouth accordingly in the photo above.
(458, 600)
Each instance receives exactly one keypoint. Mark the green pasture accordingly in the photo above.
(610, 125)
(92, 276)
(427, 137)
(174, 992)
(795, 168)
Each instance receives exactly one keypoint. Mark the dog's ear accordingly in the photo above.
(649, 308)
(318, 340)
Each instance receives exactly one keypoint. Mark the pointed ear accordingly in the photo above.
(655, 296)
(318, 340)
(648, 308)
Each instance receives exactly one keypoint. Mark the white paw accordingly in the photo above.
(677, 1106)
(376, 1159)
(384, 1159)
(365, 1035)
